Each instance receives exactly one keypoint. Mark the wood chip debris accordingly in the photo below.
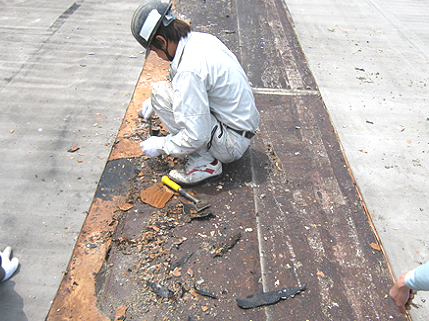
(73, 149)
(177, 272)
(226, 245)
(121, 312)
(125, 206)
(376, 247)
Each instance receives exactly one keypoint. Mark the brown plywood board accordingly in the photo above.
(127, 143)
(157, 195)
(76, 298)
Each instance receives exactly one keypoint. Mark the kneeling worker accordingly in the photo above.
(208, 107)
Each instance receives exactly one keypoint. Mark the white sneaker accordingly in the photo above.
(192, 176)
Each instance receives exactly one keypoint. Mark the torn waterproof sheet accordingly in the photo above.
(160, 290)
(267, 298)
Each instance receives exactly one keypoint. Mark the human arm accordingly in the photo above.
(418, 279)
(407, 285)
(188, 118)
(401, 294)
(191, 113)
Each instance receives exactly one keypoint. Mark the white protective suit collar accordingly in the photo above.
(179, 52)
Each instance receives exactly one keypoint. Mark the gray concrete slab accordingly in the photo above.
(370, 59)
(67, 73)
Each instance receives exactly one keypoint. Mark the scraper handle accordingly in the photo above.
(173, 185)
(176, 187)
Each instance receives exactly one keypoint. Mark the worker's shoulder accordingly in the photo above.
(203, 40)
(203, 52)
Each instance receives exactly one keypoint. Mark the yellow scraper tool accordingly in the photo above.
(199, 205)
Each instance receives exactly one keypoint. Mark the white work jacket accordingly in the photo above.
(207, 79)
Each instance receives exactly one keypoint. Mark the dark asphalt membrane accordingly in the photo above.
(291, 198)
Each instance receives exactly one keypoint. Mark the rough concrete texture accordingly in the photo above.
(370, 59)
(67, 73)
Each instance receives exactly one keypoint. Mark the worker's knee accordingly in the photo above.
(162, 96)
(229, 146)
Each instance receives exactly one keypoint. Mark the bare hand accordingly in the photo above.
(402, 295)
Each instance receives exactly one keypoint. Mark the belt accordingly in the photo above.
(248, 135)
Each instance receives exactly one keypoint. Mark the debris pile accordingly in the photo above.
(168, 257)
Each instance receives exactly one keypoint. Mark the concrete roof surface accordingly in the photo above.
(67, 73)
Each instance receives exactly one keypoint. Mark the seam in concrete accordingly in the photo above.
(239, 31)
(406, 33)
(55, 26)
(285, 92)
(64, 16)
(262, 262)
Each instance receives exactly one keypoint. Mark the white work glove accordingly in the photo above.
(152, 146)
(9, 266)
(147, 109)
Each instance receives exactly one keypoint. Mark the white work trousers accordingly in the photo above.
(229, 147)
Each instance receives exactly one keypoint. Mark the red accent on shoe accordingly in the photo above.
(209, 171)
(194, 170)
